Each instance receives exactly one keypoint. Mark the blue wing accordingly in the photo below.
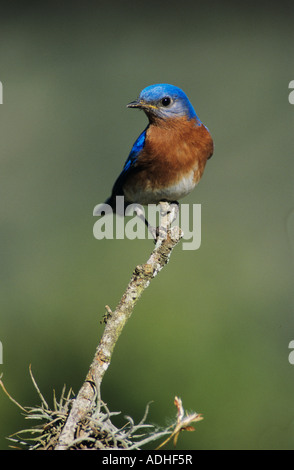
(136, 149)
(117, 189)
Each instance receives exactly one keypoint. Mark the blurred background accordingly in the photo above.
(214, 327)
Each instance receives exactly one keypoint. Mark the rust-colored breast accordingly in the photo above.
(172, 150)
(171, 163)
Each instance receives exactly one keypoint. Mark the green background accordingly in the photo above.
(214, 327)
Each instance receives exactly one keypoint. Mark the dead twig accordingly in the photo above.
(87, 397)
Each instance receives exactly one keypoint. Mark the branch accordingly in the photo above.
(141, 278)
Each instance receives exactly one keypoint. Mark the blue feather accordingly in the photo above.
(136, 149)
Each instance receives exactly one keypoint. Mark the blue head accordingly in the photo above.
(163, 101)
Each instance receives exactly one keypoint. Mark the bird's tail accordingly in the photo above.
(112, 205)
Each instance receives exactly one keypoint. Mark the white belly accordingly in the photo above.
(171, 193)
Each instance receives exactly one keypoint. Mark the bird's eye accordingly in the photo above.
(165, 101)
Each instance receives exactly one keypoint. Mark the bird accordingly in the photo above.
(168, 158)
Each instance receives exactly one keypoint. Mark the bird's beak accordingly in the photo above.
(141, 105)
(135, 104)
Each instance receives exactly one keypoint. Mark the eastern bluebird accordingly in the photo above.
(168, 158)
